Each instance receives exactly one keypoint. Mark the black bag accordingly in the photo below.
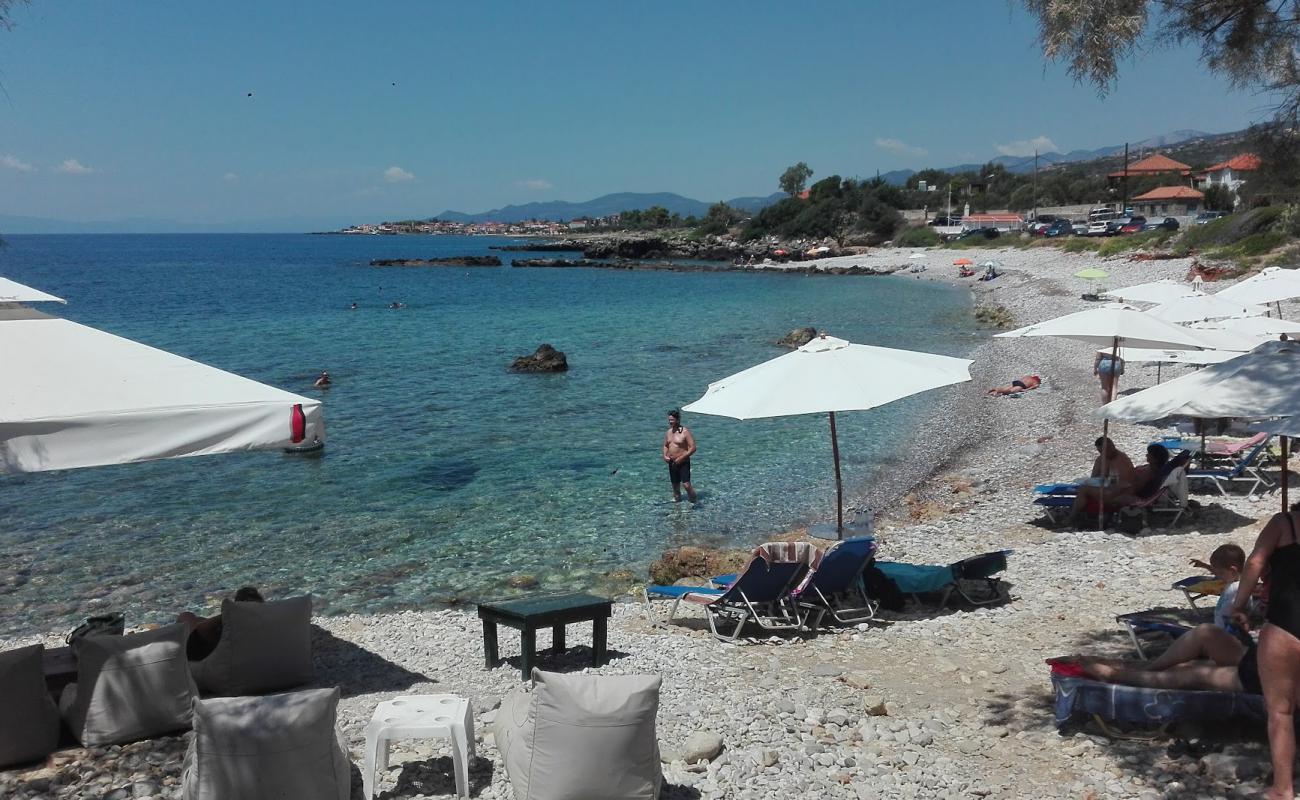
(881, 588)
(112, 624)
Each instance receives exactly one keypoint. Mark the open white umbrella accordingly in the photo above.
(14, 292)
(1152, 355)
(1272, 285)
(826, 376)
(1258, 326)
(74, 396)
(1154, 292)
(1198, 307)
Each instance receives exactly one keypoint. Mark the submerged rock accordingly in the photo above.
(544, 359)
(695, 562)
(797, 338)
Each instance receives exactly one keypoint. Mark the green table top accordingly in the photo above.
(542, 605)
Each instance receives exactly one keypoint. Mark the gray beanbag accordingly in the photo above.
(30, 727)
(277, 747)
(129, 687)
(264, 647)
(581, 737)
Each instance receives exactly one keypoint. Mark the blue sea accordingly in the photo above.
(445, 475)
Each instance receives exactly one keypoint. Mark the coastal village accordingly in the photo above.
(1050, 551)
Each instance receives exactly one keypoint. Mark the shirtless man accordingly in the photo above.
(679, 446)
(1017, 386)
(323, 382)
(1118, 470)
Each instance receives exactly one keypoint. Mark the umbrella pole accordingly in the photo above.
(839, 484)
(1105, 435)
(1285, 468)
(1159, 364)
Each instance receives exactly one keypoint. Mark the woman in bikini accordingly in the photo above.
(1277, 552)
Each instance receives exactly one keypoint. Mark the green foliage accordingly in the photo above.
(1219, 198)
(1253, 246)
(920, 236)
(651, 219)
(835, 208)
(1122, 244)
(794, 179)
(1080, 244)
(718, 220)
(1231, 229)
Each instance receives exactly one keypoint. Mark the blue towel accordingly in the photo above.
(1056, 488)
(917, 578)
(681, 591)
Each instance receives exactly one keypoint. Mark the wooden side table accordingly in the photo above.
(527, 614)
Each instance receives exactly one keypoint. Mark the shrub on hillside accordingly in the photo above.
(922, 236)
(1231, 229)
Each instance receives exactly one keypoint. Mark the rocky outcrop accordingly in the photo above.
(544, 359)
(797, 338)
(699, 563)
(453, 261)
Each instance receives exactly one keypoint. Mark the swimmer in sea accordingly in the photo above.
(323, 382)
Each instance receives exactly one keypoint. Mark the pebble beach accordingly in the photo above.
(926, 703)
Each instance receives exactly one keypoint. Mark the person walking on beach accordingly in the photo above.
(679, 446)
(1107, 368)
(1277, 552)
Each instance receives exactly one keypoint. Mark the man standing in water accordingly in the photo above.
(679, 446)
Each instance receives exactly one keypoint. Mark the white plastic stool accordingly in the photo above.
(425, 716)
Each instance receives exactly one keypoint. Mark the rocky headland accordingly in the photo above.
(453, 261)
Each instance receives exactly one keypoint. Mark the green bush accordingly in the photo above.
(1231, 229)
(1252, 246)
(1080, 244)
(923, 236)
(1122, 244)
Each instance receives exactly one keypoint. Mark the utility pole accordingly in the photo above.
(1124, 205)
(1035, 184)
(949, 201)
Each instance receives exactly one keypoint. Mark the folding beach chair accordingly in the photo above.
(834, 585)
(1144, 627)
(1171, 497)
(958, 577)
(761, 592)
(1245, 470)
(1197, 587)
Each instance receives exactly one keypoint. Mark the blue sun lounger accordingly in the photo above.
(1244, 470)
(760, 594)
(834, 586)
(919, 579)
(1109, 702)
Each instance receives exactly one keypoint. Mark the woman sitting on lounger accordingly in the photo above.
(205, 632)
(1131, 484)
(1017, 386)
(1206, 657)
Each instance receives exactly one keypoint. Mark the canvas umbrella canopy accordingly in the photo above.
(1116, 325)
(74, 396)
(14, 292)
(1154, 292)
(1157, 356)
(1198, 307)
(827, 376)
(1272, 285)
(1258, 326)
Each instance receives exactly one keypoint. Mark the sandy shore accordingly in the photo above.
(967, 694)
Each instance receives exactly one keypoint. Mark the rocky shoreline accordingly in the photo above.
(926, 703)
(452, 261)
(637, 247)
(672, 266)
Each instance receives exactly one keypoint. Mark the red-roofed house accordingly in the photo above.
(1151, 165)
(1231, 173)
(1169, 201)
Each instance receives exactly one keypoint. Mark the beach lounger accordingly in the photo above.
(1197, 587)
(1109, 702)
(958, 577)
(1171, 497)
(1245, 470)
(834, 585)
(1144, 626)
(761, 592)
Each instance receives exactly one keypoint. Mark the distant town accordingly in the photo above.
(536, 227)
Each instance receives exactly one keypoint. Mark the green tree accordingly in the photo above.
(795, 178)
(1219, 198)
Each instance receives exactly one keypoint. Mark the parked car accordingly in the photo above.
(945, 221)
(1134, 225)
(1208, 216)
(1097, 227)
(1080, 228)
(1061, 227)
(1041, 223)
(987, 233)
(1166, 224)
(1116, 226)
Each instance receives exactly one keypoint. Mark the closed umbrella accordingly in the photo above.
(1115, 325)
(1153, 292)
(1198, 307)
(826, 376)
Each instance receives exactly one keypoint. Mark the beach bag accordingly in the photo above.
(881, 588)
(113, 624)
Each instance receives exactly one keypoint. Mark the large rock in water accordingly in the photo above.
(797, 338)
(697, 563)
(545, 359)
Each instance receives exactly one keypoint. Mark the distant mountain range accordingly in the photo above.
(607, 205)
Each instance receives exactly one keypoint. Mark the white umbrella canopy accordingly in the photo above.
(1198, 307)
(14, 292)
(1154, 355)
(1262, 383)
(1258, 326)
(1113, 325)
(1272, 285)
(1157, 292)
(1216, 337)
(74, 396)
(825, 376)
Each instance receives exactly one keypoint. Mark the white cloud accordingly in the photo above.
(1042, 144)
(72, 166)
(899, 147)
(14, 162)
(398, 175)
(230, 177)
(536, 184)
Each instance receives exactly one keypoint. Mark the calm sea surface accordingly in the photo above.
(445, 474)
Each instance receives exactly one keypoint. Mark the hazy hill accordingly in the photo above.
(560, 210)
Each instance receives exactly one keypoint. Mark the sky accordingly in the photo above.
(312, 115)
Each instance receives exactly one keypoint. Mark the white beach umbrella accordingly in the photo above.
(14, 292)
(1152, 355)
(1258, 326)
(826, 376)
(1272, 285)
(1216, 337)
(74, 396)
(1154, 292)
(1198, 307)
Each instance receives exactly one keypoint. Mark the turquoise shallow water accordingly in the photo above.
(445, 474)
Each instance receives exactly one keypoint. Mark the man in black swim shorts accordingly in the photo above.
(679, 446)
